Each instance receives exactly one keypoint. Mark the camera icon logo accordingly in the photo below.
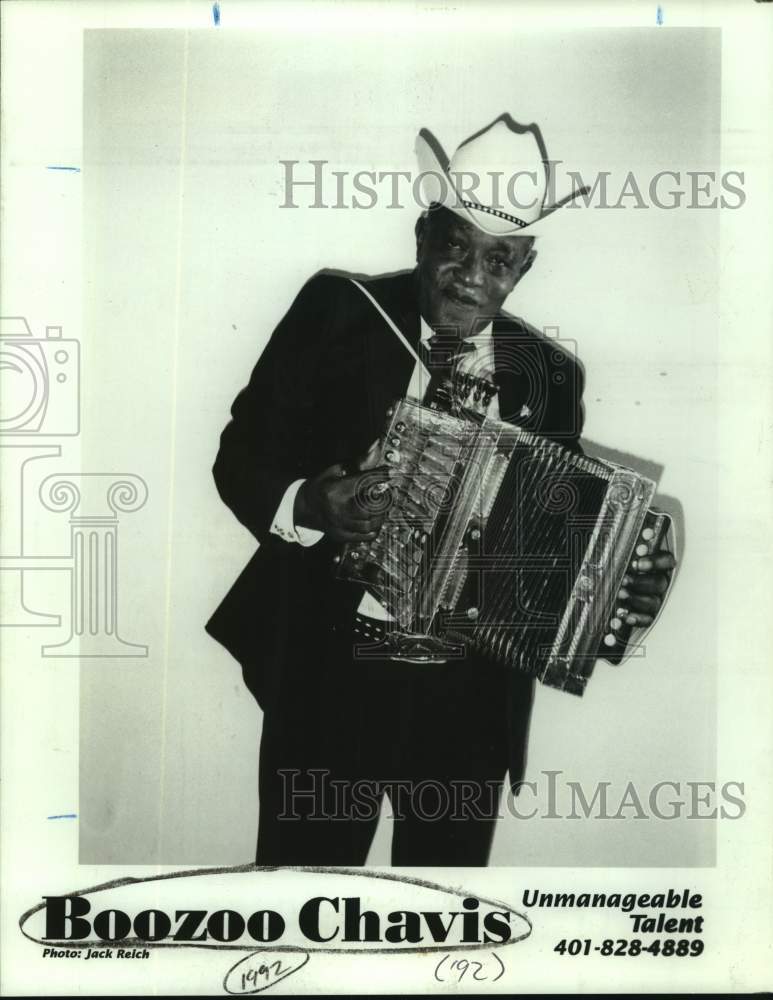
(40, 381)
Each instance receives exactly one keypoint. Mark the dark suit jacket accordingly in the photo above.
(318, 395)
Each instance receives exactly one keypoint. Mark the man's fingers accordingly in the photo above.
(640, 602)
(638, 619)
(363, 525)
(371, 496)
(370, 458)
(661, 560)
(348, 534)
(356, 517)
(336, 471)
(646, 583)
(378, 474)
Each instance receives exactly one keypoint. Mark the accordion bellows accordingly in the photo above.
(498, 541)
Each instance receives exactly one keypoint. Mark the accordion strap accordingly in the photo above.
(392, 326)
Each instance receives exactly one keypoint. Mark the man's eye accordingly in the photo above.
(453, 245)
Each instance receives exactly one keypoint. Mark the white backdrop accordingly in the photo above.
(189, 262)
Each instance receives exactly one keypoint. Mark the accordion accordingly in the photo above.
(500, 542)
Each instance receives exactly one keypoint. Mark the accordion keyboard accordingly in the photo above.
(499, 541)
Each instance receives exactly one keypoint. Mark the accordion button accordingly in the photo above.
(648, 534)
(399, 427)
(616, 623)
(472, 613)
(642, 550)
(609, 639)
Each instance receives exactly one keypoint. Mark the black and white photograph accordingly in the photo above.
(385, 440)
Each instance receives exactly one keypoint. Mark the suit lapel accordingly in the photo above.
(385, 363)
(390, 362)
(398, 297)
(525, 374)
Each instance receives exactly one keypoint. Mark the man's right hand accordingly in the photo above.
(346, 507)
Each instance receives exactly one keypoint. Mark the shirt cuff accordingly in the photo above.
(284, 521)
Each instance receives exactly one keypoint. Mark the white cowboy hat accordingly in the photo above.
(498, 179)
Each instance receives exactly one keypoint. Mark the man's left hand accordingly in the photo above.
(643, 586)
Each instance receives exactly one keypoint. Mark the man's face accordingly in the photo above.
(465, 275)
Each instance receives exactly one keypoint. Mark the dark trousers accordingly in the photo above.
(345, 731)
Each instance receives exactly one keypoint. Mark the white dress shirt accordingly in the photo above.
(481, 361)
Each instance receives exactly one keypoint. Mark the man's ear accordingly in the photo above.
(531, 256)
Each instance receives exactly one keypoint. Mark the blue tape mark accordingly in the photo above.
(216, 13)
(64, 816)
(75, 170)
(659, 15)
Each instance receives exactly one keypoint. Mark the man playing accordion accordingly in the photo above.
(340, 731)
